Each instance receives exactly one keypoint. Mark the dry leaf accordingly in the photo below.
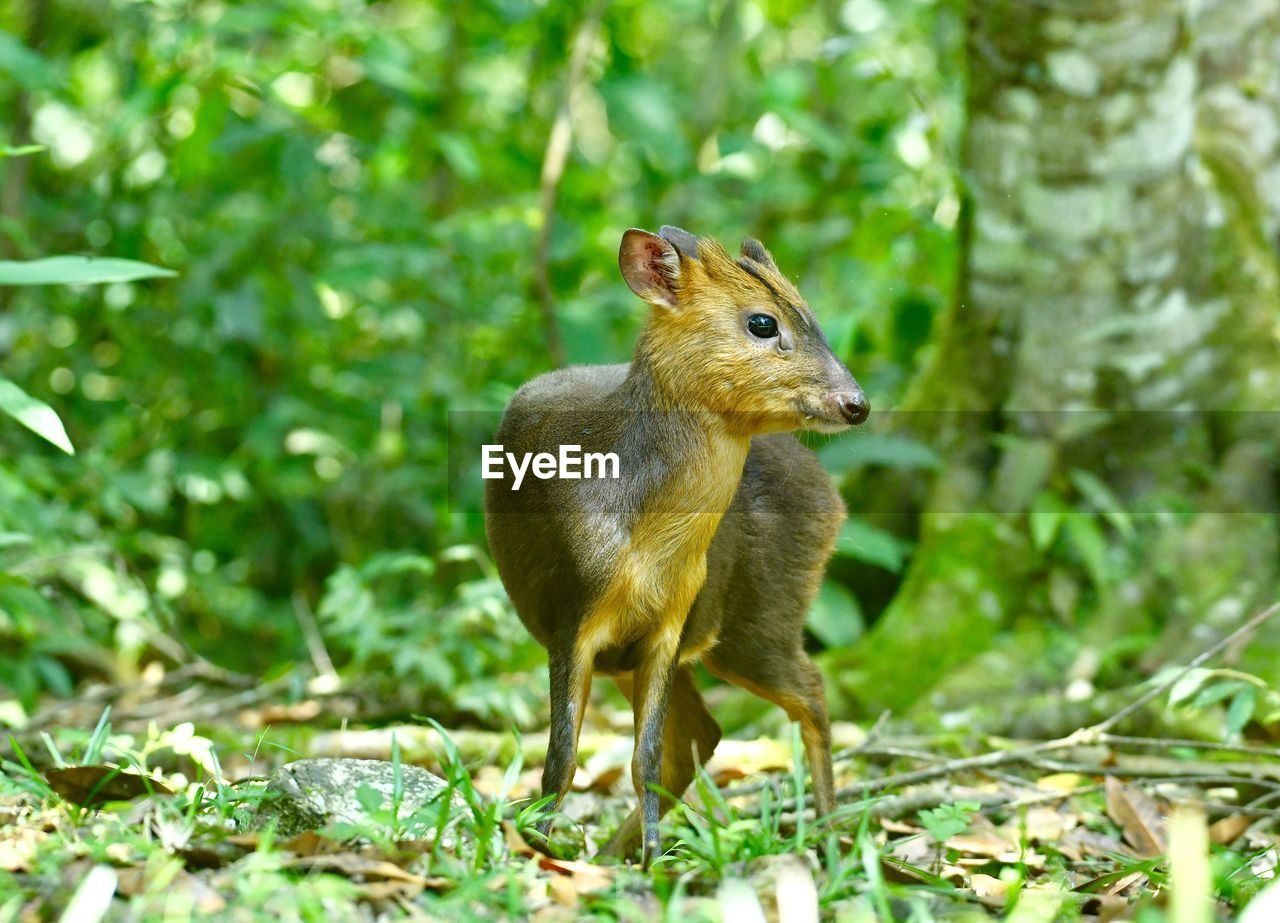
(599, 779)
(1064, 782)
(516, 842)
(310, 843)
(1104, 907)
(846, 734)
(90, 786)
(564, 891)
(554, 913)
(390, 890)
(1040, 824)
(356, 867)
(1138, 816)
(18, 848)
(1117, 888)
(914, 850)
(740, 758)
(988, 843)
(891, 825)
(602, 769)
(1081, 842)
(283, 713)
(796, 894)
(1226, 831)
(575, 879)
(200, 896)
(989, 890)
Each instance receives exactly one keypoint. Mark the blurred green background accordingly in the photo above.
(360, 201)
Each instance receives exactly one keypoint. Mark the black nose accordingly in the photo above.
(854, 407)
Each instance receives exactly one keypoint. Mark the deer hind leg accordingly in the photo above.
(787, 677)
(689, 737)
(570, 686)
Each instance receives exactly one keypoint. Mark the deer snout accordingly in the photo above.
(853, 405)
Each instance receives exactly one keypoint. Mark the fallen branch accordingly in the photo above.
(1030, 753)
(1158, 743)
(1155, 692)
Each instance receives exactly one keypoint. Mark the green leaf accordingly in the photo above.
(864, 542)
(1106, 502)
(948, 820)
(1185, 687)
(835, 617)
(27, 68)
(1047, 512)
(877, 449)
(460, 154)
(1218, 692)
(35, 415)
(1086, 538)
(22, 151)
(1241, 709)
(77, 270)
(370, 799)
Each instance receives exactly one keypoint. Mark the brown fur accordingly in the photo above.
(712, 544)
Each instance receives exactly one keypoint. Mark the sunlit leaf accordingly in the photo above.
(34, 414)
(20, 151)
(1217, 692)
(77, 270)
(1240, 711)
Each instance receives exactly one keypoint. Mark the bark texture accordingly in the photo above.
(1121, 231)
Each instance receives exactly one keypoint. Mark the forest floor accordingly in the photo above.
(150, 815)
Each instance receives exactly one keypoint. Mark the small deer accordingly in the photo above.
(711, 542)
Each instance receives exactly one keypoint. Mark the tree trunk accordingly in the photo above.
(1119, 279)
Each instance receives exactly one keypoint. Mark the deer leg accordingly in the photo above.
(789, 679)
(689, 737)
(653, 680)
(570, 685)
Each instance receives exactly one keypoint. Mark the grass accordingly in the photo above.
(187, 856)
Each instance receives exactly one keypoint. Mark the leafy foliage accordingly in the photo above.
(463, 655)
(349, 198)
(948, 820)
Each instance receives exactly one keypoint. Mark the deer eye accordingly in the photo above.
(762, 326)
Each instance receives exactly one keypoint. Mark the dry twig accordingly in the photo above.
(1035, 753)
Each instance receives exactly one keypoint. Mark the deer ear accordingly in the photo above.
(686, 244)
(651, 267)
(753, 250)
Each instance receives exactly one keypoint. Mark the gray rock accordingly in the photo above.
(314, 793)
